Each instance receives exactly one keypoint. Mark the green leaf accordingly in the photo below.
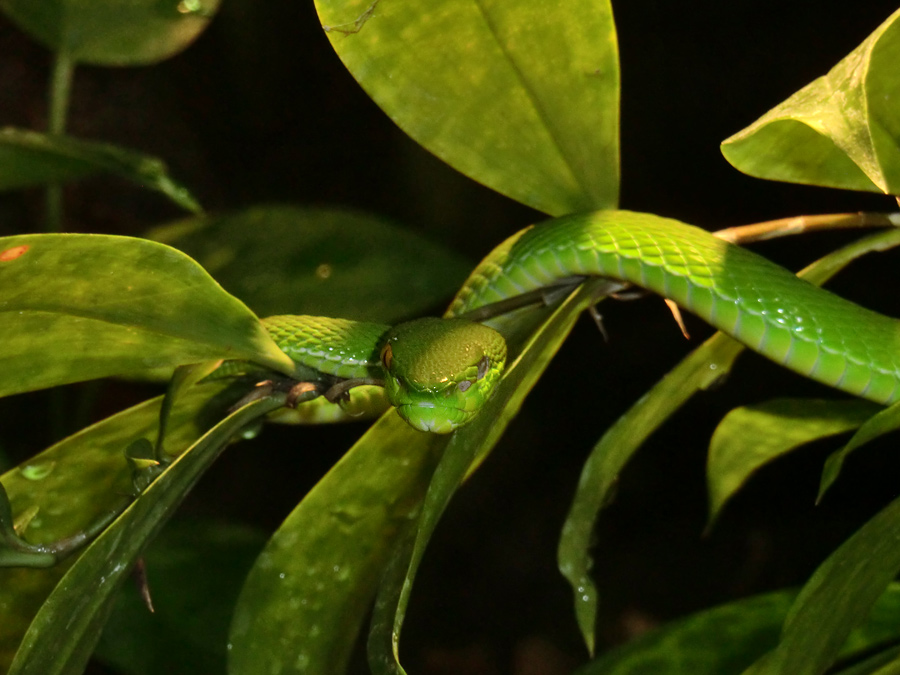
(877, 425)
(717, 641)
(748, 438)
(72, 618)
(729, 638)
(303, 602)
(112, 32)
(468, 446)
(841, 130)
(521, 96)
(77, 307)
(29, 158)
(326, 262)
(78, 481)
(313, 584)
(837, 599)
(195, 569)
(702, 367)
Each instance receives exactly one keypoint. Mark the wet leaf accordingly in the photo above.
(841, 130)
(837, 598)
(29, 158)
(728, 638)
(73, 616)
(113, 32)
(748, 438)
(468, 446)
(883, 422)
(325, 262)
(522, 97)
(598, 477)
(77, 307)
(89, 477)
(195, 569)
(302, 604)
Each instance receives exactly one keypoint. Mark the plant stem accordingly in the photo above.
(60, 87)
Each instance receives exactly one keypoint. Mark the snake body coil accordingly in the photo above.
(771, 311)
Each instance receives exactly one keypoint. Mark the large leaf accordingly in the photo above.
(195, 569)
(30, 158)
(77, 307)
(112, 32)
(313, 584)
(64, 632)
(883, 422)
(702, 367)
(841, 130)
(837, 598)
(521, 96)
(748, 438)
(303, 602)
(328, 262)
(726, 639)
(70, 485)
(466, 449)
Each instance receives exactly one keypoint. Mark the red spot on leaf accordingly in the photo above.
(12, 253)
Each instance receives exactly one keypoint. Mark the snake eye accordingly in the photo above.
(387, 356)
(483, 366)
(464, 385)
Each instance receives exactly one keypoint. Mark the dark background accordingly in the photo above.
(261, 109)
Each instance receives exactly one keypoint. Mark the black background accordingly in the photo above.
(261, 109)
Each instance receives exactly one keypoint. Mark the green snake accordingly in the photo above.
(438, 373)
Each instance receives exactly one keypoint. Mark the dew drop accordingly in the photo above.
(37, 471)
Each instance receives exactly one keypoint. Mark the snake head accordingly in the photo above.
(440, 372)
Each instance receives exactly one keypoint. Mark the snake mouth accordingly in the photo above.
(433, 418)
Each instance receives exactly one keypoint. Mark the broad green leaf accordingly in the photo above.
(521, 96)
(837, 599)
(326, 262)
(195, 569)
(877, 425)
(701, 368)
(77, 307)
(303, 602)
(79, 480)
(29, 158)
(884, 662)
(719, 641)
(313, 584)
(72, 618)
(113, 32)
(841, 130)
(729, 638)
(748, 438)
(466, 449)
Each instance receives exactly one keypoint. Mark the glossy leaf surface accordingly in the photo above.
(195, 569)
(468, 446)
(113, 32)
(728, 638)
(78, 480)
(78, 307)
(837, 599)
(750, 437)
(841, 130)
(311, 587)
(29, 158)
(520, 96)
(883, 422)
(609, 456)
(73, 616)
(326, 262)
